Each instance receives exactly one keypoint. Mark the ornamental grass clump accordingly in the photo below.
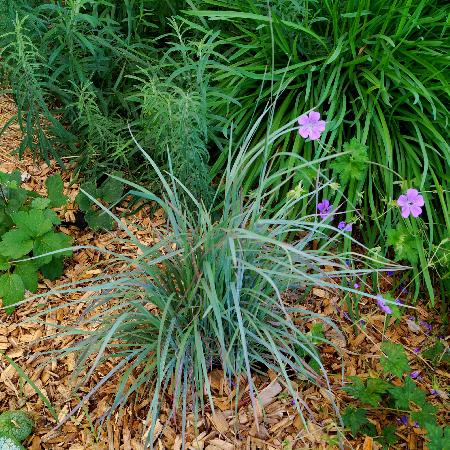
(208, 293)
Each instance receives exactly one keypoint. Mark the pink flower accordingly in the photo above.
(411, 203)
(311, 126)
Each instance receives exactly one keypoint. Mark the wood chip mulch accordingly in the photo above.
(279, 427)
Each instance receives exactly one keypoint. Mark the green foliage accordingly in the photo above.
(406, 393)
(27, 231)
(369, 392)
(378, 74)
(388, 437)
(438, 353)
(110, 191)
(185, 76)
(16, 424)
(83, 71)
(317, 333)
(394, 360)
(425, 415)
(27, 73)
(406, 397)
(178, 125)
(439, 437)
(353, 165)
(404, 244)
(55, 191)
(355, 419)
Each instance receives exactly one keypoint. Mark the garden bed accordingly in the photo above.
(279, 427)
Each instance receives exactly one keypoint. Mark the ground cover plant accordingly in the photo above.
(406, 399)
(29, 244)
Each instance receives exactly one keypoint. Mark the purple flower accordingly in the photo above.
(426, 325)
(390, 273)
(411, 203)
(356, 286)
(433, 392)
(398, 301)
(311, 126)
(414, 375)
(416, 424)
(362, 321)
(382, 304)
(403, 420)
(345, 226)
(324, 208)
(416, 350)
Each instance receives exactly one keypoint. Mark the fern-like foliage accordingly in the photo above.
(28, 76)
(175, 123)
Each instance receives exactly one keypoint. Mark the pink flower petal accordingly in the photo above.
(419, 201)
(314, 135)
(303, 119)
(416, 211)
(402, 200)
(320, 126)
(406, 211)
(304, 132)
(412, 194)
(314, 116)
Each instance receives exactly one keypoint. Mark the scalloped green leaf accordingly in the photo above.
(355, 419)
(98, 220)
(404, 244)
(439, 437)
(51, 242)
(54, 269)
(12, 291)
(33, 222)
(55, 191)
(370, 392)
(17, 424)
(15, 244)
(40, 203)
(111, 190)
(29, 274)
(84, 202)
(353, 165)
